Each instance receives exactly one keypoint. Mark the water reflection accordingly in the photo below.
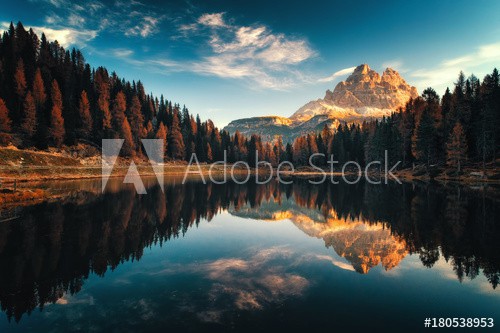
(49, 252)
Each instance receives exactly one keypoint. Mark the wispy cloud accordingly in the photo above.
(122, 53)
(57, 3)
(335, 75)
(447, 72)
(52, 19)
(146, 26)
(254, 53)
(76, 20)
(212, 20)
(129, 17)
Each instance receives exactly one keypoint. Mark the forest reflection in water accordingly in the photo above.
(52, 248)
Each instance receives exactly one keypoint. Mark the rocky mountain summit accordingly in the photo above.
(366, 88)
(365, 94)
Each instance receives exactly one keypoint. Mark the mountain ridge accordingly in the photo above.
(364, 95)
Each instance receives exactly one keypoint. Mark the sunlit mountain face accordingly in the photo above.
(363, 243)
(60, 255)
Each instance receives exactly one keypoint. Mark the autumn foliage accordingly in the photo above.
(57, 131)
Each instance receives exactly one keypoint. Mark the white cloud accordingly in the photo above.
(285, 51)
(94, 6)
(58, 3)
(76, 20)
(212, 20)
(65, 36)
(457, 61)
(481, 61)
(341, 72)
(130, 17)
(52, 19)
(223, 66)
(253, 53)
(258, 43)
(122, 53)
(188, 27)
(146, 27)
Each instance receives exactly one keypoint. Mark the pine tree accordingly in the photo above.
(128, 148)
(289, 152)
(148, 130)
(446, 114)
(239, 151)
(311, 144)
(485, 124)
(20, 79)
(39, 94)
(255, 150)
(20, 89)
(85, 117)
(422, 139)
(101, 81)
(325, 136)
(57, 132)
(136, 119)
(28, 123)
(175, 142)
(5, 122)
(118, 111)
(279, 149)
(300, 151)
(209, 153)
(456, 148)
(161, 134)
(434, 109)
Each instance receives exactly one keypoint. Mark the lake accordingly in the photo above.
(248, 257)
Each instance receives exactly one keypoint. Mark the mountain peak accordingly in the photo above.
(389, 70)
(362, 69)
(366, 88)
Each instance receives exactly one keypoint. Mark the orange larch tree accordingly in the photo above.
(57, 132)
(28, 121)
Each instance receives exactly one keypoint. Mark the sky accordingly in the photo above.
(229, 59)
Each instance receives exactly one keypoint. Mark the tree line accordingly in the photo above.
(50, 96)
(458, 127)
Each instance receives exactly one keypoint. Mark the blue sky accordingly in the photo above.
(233, 59)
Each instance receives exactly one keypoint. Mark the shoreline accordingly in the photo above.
(25, 165)
(20, 175)
(25, 174)
(15, 187)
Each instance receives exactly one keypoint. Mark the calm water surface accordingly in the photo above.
(249, 258)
